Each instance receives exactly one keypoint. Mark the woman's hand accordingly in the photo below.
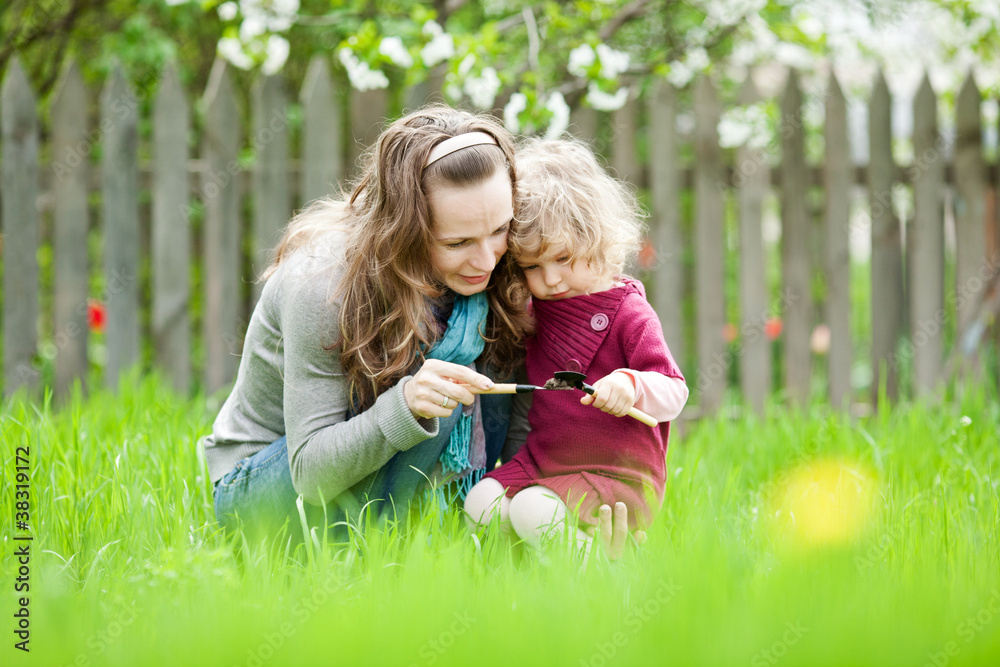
(614, 394)
(614, 532)
(438, 387)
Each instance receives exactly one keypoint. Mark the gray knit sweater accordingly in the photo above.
(288, 384)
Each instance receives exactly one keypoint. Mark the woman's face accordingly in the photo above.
(469, 226)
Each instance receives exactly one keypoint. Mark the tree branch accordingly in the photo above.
(59, 30)
(533, 42)
(632, 11)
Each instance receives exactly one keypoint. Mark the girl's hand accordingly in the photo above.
(614, 394)
(437, 388)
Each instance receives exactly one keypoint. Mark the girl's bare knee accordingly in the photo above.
(485, 500)
(535, 511)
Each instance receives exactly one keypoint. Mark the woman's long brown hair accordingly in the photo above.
(385, 321)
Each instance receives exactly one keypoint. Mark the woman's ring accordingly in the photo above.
(444, 403)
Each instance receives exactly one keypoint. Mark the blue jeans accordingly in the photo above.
(259, 488)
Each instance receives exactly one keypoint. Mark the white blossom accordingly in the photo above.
(732, 132)
(603, 101)
(174, 3)
(285, 7)
(440, 48)
(465, 66)
(680, 74)
(228, 10)
(432, 28)
(276, 15)
(697, 59)
(361, 75)
(560, 115)
(277, 53)
(580, 59)
(759, 44)
(231, 50)
(811, 27)
(482, 90)
(794, 55)
(252, 26)
(727, 12)
(613, 62)
(747, 126)
(393, 49)
(987, 8)
(518, 102)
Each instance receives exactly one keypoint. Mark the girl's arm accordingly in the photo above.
(660, 390)
(660, 396)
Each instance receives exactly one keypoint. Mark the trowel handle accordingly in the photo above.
(635, 413)
(502, 388)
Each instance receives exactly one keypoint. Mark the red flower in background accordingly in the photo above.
(96, 315)
(772, 328)
(729, 332)
(647, 255)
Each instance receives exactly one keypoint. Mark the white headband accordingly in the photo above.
(457, 143)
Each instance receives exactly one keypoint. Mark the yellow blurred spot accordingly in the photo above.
(822, 502)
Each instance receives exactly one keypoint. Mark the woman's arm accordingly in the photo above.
(327, 452)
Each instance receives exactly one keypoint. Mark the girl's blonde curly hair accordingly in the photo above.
(567, 200)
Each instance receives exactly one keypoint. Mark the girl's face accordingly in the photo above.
(552, 276)
(469, 225)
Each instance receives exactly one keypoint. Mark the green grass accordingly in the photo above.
(892, 557)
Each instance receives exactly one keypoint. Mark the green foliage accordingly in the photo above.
(529, 44)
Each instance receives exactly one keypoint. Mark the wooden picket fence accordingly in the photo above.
(910, 315)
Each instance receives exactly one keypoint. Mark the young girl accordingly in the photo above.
(578, 228)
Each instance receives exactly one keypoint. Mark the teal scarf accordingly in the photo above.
(462, 343)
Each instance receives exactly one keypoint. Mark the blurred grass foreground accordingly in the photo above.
(796, 538)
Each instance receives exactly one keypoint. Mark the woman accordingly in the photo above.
(380, 316)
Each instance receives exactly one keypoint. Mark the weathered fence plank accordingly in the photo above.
(624, 161)
(668, 287)
(171, 243)
(709, 244)
(368, 111)
(970, 206)
(925, 241)
(120, 208)
(272, 204)
(994, 261)
(19, 220)
(427, 91)
(223, 267)
(888, 297)
(583, 123)
(71, 169)
(751, 179)
(322, 146)
(795, 243)
(837, 252)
